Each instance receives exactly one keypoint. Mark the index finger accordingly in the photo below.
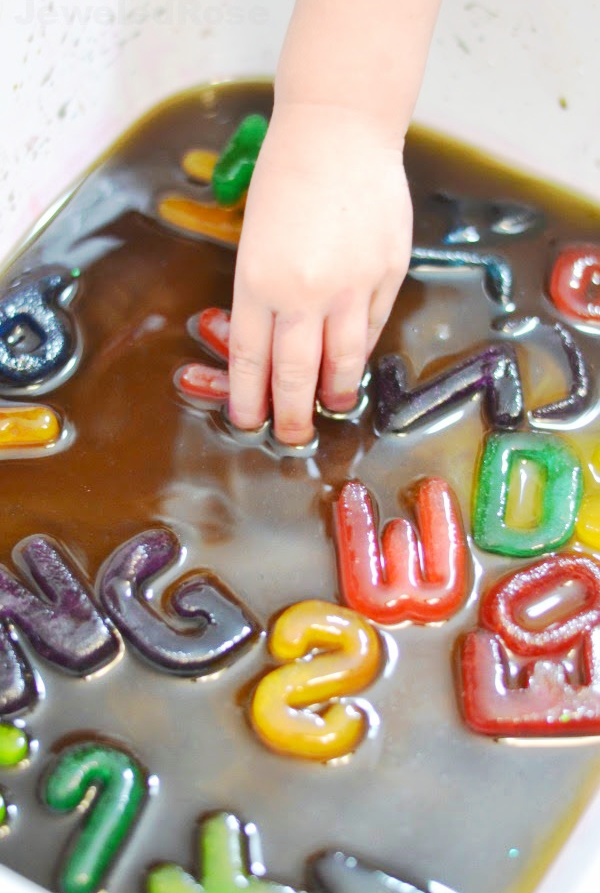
(250, 342)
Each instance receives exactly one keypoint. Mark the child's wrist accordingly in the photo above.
(315, 119)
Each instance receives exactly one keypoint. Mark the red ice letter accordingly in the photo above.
(402, 580)
(542, 612)
(575, 282)
(213, 329)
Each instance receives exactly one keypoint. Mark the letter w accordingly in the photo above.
(402, 579)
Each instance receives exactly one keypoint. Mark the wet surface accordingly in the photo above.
(423, 797)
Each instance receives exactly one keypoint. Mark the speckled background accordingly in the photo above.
(518, 78)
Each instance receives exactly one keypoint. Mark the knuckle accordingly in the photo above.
(343, 364)
(292, 378)
(245, 365)
(251, 274)
(312, 276)
(281, 272)
(311, 280)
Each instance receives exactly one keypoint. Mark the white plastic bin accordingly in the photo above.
(517, 77)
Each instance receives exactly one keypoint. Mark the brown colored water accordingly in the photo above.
(423, 796)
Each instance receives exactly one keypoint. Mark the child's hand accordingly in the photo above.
(325, 246)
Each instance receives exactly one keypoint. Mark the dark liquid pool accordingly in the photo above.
(423, 797)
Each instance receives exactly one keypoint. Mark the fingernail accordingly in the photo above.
(244, 422)
(340, 402)
(283, 449)
(245, 436)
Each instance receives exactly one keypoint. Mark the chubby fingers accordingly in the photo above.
(283, 355)
(297, 347)
(250, 344)
(351, 331)
(277, 356)
(344, 356)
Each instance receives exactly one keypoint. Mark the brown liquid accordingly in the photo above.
(424, 798)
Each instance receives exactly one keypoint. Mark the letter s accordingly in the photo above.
(290, 710)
